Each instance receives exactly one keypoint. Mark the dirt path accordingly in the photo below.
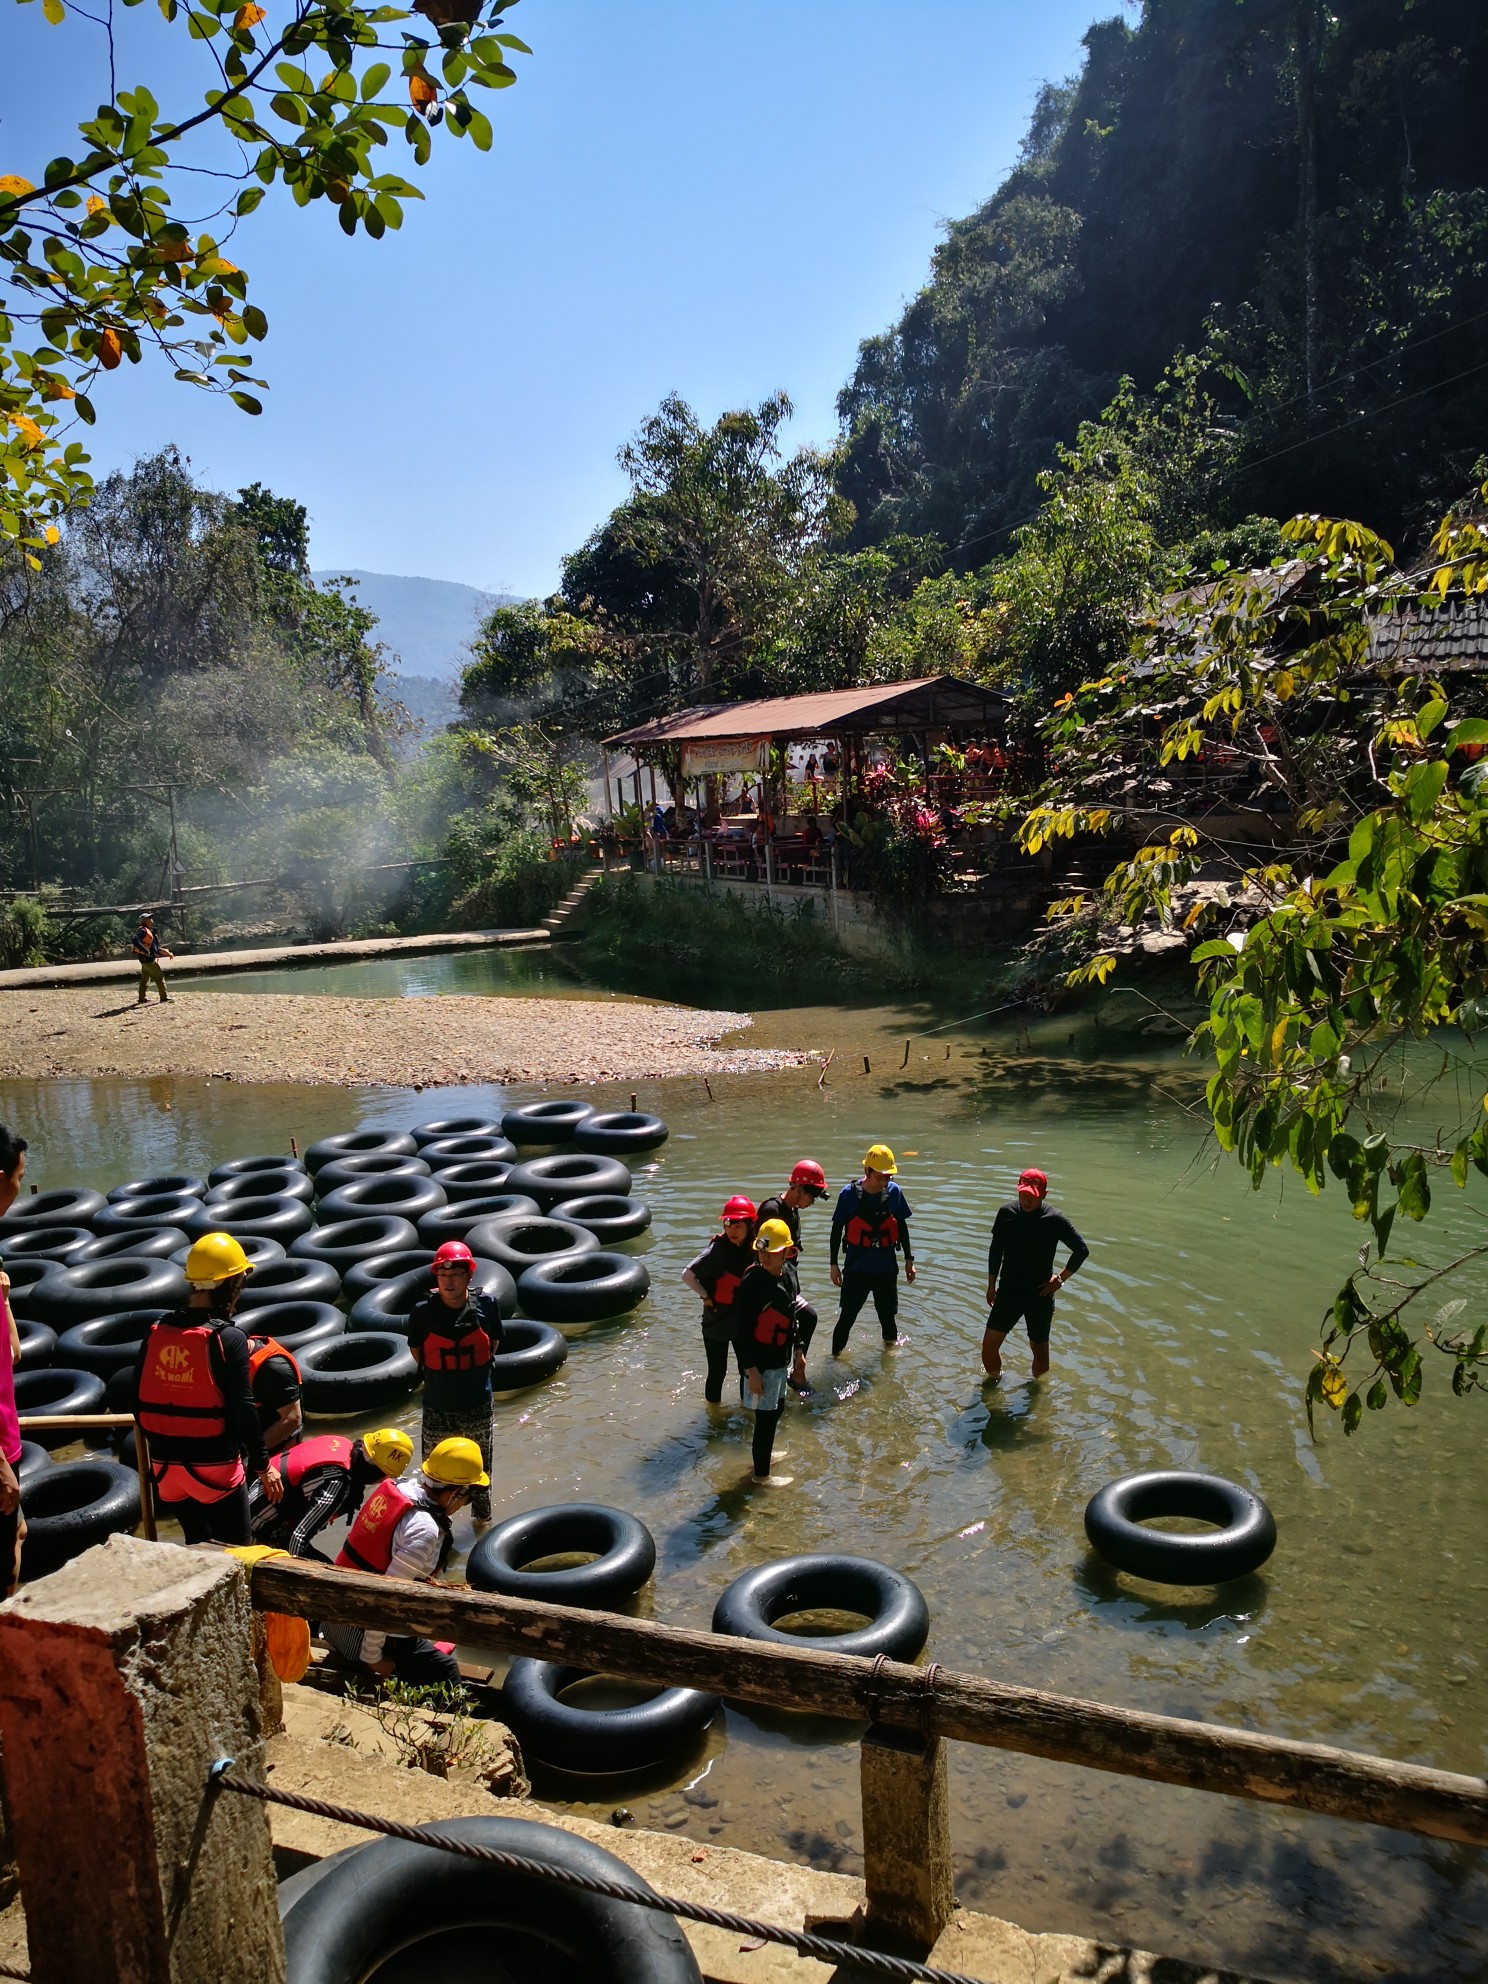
(403, 1042)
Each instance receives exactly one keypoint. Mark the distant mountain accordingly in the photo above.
(426, 623)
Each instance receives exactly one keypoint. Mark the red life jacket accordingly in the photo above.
(260, 1350)
(369, 1547)
(180, 1387)
(872, 1224)
(773, 1325)
(443, 1350)
(725, 1289)
(325, 1450)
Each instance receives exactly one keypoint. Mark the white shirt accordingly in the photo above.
(417, 1542)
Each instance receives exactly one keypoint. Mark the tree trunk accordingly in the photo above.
(1308, 30)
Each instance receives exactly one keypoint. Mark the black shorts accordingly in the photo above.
(1012, 1307)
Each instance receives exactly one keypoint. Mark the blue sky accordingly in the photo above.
(705, 196)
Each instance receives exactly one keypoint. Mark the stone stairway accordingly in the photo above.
(557, 923)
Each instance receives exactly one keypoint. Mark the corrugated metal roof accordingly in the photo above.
(926, 703)
(1423, 638)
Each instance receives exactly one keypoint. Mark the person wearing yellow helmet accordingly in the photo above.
(193, 1398)
(326, 1479)
(764, 1322)
(870, 1229)
(404, 1531)
(807, 1184)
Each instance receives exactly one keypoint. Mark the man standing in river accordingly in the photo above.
(1025, 1235)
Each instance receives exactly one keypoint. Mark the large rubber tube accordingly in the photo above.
(583, 1288)
(617, 1131)
(360, 1143)
(34, 1458)
(475, 1180)
(107, 1344)
(294, 1324)
(455, 1221)
(354, 1374)
(404, 1198)
(178, 1185)
(65, 1244)
(25, 1278)
(1244, 1537)
(70, 1508)
(520, 1241)
(56, 1390)
(288, 1182)
(386, 1306)
(98, 1288)
(283, 1220)
(164, 1209)
(243, 1167)
(342, 1243)
(826, 1582)
(377, 1164)
(289, 1281)
(455, 1126)
(603, 1741)
(261, 1251)
(387, 1267)
(73, 1207)
(468, 1150)
(569, 1175)
(624, 1560)
(340, 1925)
(609, 1216)
(38, 1345)
(545, 1122)
(156, 1243)
(530, 1352)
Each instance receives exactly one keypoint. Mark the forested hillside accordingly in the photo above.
(1299, 189)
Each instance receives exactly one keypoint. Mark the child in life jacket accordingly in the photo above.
(764, 1337)
(870, 1229)
(714, 1277)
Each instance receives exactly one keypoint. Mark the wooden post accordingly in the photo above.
(769, 868)
(123, 1678)
(707, 847)
(609, 803)
(906, 1837)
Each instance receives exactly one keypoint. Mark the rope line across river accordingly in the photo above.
(872, 1963)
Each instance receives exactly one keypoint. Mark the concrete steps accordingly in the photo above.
(557, 922)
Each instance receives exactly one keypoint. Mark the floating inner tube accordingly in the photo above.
(403, 1197)
(243, 1167)
(519, 1241)
(569, 1175)
(1243, 1538)
(545, 1122)
(106, 1344)
(49, 1243)
(617, 1131)
(583, 1288)
(56, 1390)
(155, 1243)
(529, 1353)
(360, 1143)
(380, 1164)
(177, 1209)
(455, 1126)
(288, 1182)
(73, 1207)
(352, 1374)
(294, 1324)
(343, 1243)
(475, 1180)
(34, 1457)
(38, 1344)
(287, 1280)
(26, 1276)
(826, 1582)
(283, 1220)
(70, 1508)
(568, 1736)
(625, 1555)
(455, 1221)
(386, 1305)
(98, 1288)
(468, 1150)
(261, 1251)
(343, 1920)
(388, 1267)
(609, 1216)
(177, 1186)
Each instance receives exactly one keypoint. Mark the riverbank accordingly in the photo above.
(406, 1043)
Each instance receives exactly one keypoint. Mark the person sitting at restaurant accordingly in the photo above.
(811, 833)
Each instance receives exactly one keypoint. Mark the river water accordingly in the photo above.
(1184, 1342)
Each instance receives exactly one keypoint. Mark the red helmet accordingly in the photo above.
(739, 1207)
(809, 1173)
(452, 1252)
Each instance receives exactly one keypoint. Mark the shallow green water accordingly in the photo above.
(537, 971)
(1183, 1342)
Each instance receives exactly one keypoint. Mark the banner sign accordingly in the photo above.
(725, 754)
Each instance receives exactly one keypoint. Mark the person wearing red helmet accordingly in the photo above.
(713, 1277)
(808, 1183)
(454, 1332)
(1021, 1281)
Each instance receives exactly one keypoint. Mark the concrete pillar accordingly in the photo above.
(906, 1837)
(122, 1678)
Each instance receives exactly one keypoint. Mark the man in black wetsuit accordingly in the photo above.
(1021, 1282)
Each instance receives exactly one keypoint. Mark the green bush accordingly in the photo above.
(26, 933)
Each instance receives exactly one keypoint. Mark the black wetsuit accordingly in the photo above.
(719, 1262)
(764, 1337)
(1020, 1260)
(777, 1208)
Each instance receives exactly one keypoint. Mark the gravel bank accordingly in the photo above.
(403, 1042)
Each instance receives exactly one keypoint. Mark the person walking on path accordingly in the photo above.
(808, 1183)
(148, 948)
(12, 1522)
(326, 1478)
(714, 1277)
(454, 1334)
(404, 1531)
(764, 1330)
(870, 1229)
(194, 1402)
(1021, 1282)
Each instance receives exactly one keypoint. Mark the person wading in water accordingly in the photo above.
(808, 1183)
(714, 1276)
(764, 1326)
(1025, 1235)
(870, 1228)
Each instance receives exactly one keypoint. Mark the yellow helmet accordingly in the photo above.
(880, 1158)
(216, 1257)
(456, 1464)
(773, 1237)
(388, 1448)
